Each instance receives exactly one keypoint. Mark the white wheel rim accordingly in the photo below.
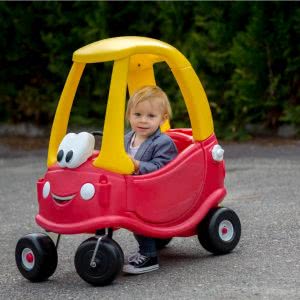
(226, 230)
(28, 259)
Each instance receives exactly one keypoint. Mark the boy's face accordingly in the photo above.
(146, 117)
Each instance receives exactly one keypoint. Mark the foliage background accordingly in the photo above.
(247, 55)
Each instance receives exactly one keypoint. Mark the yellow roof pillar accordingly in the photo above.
(112, 155)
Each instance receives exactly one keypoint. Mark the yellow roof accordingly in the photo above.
(120, 47)
(133, 66)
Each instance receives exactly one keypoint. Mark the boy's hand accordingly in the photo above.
(136, 164)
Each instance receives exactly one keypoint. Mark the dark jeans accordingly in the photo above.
(147, 245)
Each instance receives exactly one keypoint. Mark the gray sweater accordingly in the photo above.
(154, 153)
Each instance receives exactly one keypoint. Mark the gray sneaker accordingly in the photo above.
(139, 264)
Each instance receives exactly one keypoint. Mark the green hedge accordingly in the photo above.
(247, 55)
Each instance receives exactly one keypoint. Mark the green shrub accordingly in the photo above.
(245, 53)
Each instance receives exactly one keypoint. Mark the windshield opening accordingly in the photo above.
(89, 106)
(165, 80)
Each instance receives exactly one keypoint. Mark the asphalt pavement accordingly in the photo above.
(263, 182)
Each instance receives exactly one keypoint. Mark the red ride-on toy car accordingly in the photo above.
(92, 191)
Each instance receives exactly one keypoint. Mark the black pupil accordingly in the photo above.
(60, 155)
(69, 156)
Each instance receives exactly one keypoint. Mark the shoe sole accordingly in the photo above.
(131, 270)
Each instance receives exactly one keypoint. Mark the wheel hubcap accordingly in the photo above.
(226, 230)
(28, 259)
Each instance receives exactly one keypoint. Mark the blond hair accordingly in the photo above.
(150, 93)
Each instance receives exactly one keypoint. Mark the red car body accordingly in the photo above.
(167, 203)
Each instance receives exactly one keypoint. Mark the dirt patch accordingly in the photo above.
(266, 141)
(24, 143)
(30, 143)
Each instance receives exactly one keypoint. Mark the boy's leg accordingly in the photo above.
(145, 260)
(147, 245)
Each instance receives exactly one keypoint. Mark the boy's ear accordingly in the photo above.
(164, 118)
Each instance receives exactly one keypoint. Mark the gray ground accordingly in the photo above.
(263, 188)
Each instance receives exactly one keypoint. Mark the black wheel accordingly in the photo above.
(111, 241)
(162, 243)
(109, 261)
(36, 256)
(220, 231)
(118, 248)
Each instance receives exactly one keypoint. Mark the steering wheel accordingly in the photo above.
(97, 133)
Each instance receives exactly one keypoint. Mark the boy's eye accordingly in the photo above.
(137, 114)
(151, 116)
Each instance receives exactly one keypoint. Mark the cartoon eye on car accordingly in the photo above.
(87, 190)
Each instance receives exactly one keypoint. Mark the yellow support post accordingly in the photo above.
(61, 119)
(112, 155)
